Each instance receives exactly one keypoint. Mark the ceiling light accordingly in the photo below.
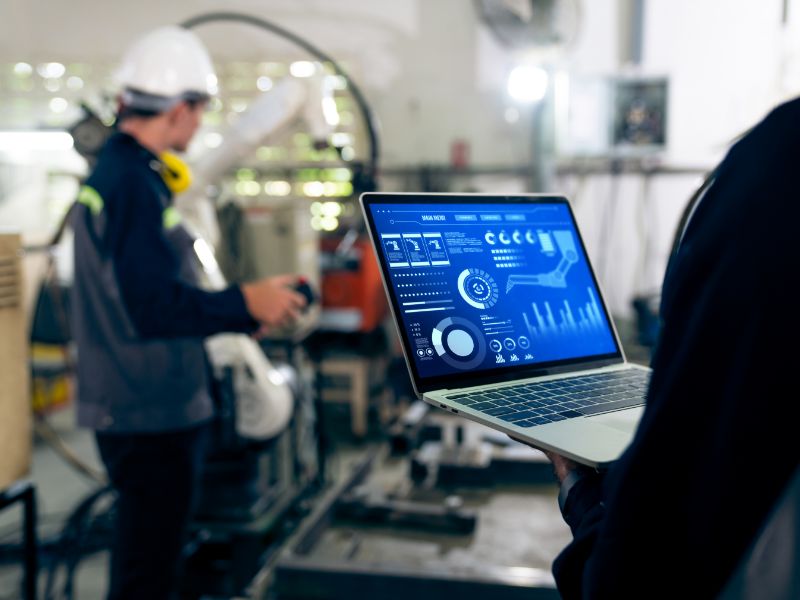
(527, 83)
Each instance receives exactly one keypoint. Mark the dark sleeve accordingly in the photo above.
(714, 448)
(583, 512)
(147, 269)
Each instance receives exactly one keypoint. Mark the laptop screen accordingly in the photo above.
(483, 285)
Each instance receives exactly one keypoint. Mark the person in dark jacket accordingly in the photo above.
(717, 442)
(140, 316)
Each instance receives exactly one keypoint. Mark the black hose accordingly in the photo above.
(358, 96)
(79, 536)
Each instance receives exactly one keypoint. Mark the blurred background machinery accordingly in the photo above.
(350, 482)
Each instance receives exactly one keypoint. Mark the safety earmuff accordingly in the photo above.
(175, 173)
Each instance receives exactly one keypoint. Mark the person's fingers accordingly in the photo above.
(261, 332)
(298, 300)
(287, 316)
(548, 454)
(516, 439)
(293, 315)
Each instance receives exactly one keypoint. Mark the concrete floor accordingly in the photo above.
(518, 526)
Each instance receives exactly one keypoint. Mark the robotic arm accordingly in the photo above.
(267, 117)
(264, 401)
(557, 277)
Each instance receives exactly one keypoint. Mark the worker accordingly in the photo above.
(140, 317)
(716, 446)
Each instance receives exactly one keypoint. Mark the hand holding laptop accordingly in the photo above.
(562, 466)
(503, 322)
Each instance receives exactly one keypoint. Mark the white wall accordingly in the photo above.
(728, 62)
(723, 59)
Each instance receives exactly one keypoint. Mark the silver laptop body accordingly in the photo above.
(502, 320)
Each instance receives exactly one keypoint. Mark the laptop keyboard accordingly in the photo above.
(531, 404)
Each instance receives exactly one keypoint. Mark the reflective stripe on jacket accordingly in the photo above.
(139, 317)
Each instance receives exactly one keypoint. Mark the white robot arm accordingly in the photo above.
(264, 402)
(268, 116)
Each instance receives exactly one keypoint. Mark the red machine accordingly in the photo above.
(352, 293)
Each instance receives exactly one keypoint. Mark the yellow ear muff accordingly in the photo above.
(176, 173)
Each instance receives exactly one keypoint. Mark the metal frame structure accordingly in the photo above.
(25, 492)
(297, 574)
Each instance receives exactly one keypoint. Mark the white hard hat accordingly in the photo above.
(168, 63)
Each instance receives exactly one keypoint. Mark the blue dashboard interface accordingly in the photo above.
(487, 286)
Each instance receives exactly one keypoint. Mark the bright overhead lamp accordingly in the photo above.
(527, 83)
(302, 68)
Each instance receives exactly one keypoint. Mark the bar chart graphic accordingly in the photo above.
(562, 320)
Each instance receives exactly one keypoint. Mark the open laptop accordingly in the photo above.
(502, 320)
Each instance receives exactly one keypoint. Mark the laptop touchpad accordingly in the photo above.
(622, 420)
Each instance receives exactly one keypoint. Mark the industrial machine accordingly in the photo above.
(352, 292)
(267, 116)
(271, 238)
(264, 401)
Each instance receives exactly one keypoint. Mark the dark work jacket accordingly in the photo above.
(718, 440)
(139, 317)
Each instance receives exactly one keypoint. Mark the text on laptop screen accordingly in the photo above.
(487, 286)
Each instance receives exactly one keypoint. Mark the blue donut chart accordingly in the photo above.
(459, 343)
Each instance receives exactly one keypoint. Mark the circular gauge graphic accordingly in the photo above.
(517, 237)
(523, 342)
(459, 343)
(529, 237)
(504, 238)
(490, 238)
(510, 344)
(477, 288)
(495, 346)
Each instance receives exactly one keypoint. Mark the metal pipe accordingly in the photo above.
(631, 23)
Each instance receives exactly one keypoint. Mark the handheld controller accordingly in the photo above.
(303, 287)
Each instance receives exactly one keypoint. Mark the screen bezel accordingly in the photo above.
(501, 374)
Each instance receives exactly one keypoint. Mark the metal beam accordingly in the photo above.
(631, 31)
(328, 580)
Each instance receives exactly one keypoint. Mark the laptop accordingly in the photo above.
(502, 320)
